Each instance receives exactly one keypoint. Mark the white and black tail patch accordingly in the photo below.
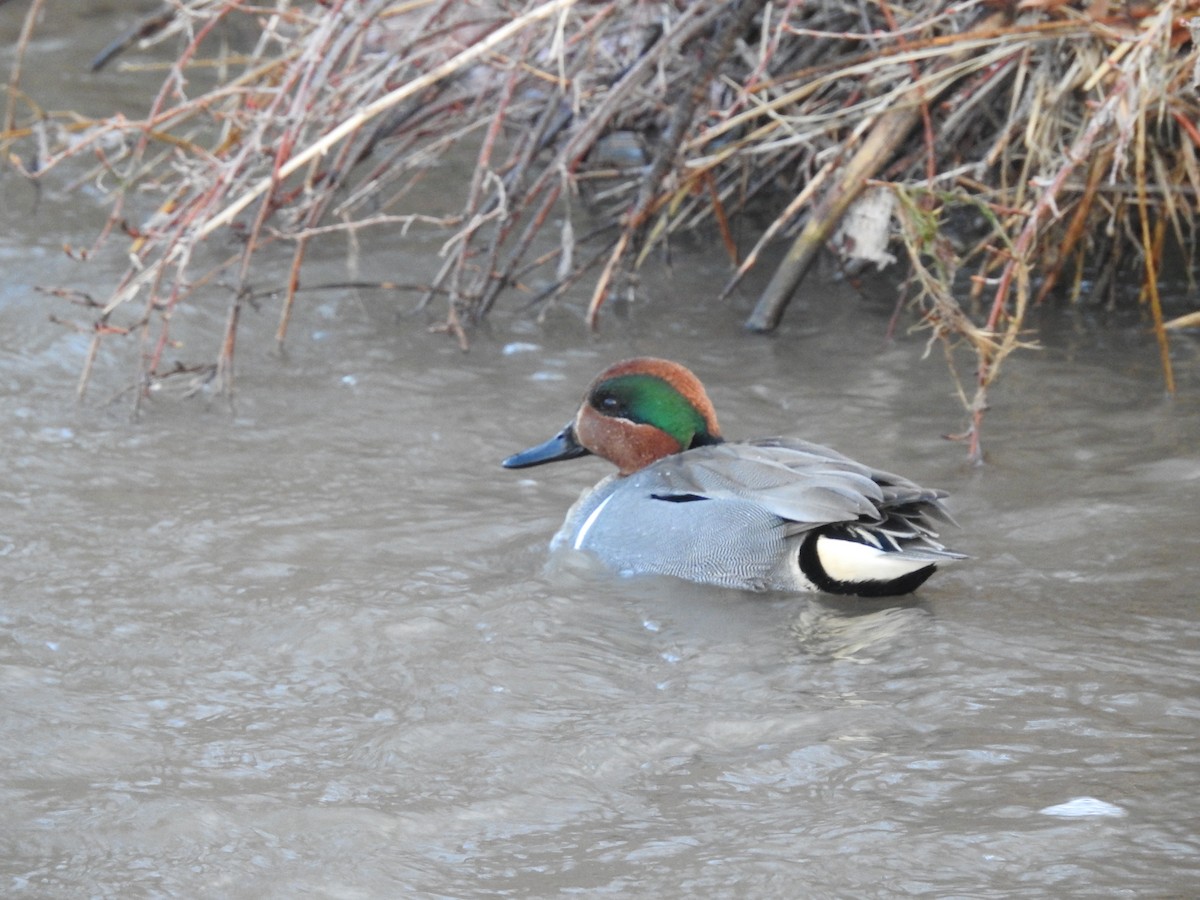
(851, 560)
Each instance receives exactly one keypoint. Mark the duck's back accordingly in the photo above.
(739, 515)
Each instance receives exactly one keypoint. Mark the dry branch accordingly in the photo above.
(1067, 128)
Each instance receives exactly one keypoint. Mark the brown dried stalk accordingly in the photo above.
(1062, 122)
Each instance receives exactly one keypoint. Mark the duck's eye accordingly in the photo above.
(610, 403)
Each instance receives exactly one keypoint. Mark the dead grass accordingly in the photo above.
(1066, 129)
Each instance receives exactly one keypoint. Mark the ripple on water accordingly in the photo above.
(317, 647)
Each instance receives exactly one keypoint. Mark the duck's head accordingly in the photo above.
(634, 413)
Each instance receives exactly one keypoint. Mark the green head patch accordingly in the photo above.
(650, 400)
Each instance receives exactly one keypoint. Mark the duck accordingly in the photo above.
(768, 514)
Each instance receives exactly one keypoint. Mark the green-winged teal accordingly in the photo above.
(767, 514)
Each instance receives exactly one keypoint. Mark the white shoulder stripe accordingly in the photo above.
(577, 544)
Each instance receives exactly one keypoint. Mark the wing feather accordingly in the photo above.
(808, 485)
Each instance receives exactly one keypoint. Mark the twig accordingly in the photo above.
(383, 104)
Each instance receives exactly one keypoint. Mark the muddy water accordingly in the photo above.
(312, 646)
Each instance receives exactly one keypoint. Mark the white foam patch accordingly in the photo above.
(1083, 806)
(852, 561)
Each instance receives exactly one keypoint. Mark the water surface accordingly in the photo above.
(311, 645)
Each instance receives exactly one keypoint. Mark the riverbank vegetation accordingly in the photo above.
(1008, 153)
